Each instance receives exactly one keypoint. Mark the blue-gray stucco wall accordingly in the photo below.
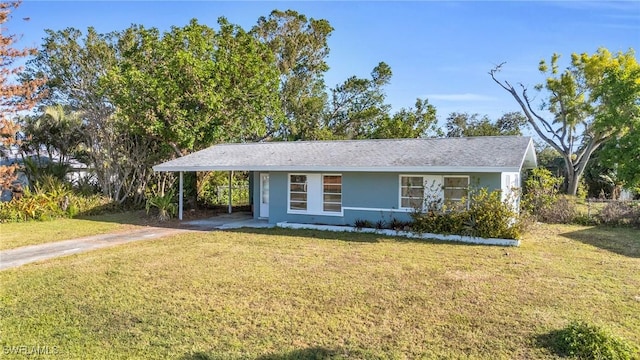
(379, 191)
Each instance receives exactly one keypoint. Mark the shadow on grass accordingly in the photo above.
(357, 237)
(209, 220)
(313, 353)
(312, 234)
(553, 341)
(140, 217)
(620, 240)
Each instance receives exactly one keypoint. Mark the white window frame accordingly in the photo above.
(425, 179)
(306, 192)
(331, 202)
(315, 195)
(444, 188)
(400, 191)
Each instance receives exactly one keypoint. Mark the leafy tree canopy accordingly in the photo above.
(417, 122)
(192, 87)
(590, 102)
(358, 104)
(300, 48)
(463, 124)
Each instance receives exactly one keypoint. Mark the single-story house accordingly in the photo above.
(339, 182)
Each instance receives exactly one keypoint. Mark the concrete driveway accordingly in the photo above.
(16, 257)
(28, 254)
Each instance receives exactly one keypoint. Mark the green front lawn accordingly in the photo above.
(285, 294)
(14, 235)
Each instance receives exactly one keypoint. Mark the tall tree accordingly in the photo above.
(74, 65)
(621, 87)
(358, 104)
(587, 102)
(463, 124)
(57, 129)
(300, 48)
(417, 122)
(14, 96)
(192, 87)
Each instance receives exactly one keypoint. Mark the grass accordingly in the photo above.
(285, 294)
(38, 232)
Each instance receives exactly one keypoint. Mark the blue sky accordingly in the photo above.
(437, 50)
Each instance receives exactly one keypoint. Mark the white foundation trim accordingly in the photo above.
(407, 234)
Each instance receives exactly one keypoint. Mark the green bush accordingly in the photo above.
(540, 190)
(92, 205)
(213, 188)
(542, 199)
(165, 203)
(487, 216)
(584, 341)
(362, 223)
(30, 207)
(52, 199)
(490, 217)
(439, 222)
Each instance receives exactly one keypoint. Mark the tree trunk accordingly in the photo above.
(572, 184)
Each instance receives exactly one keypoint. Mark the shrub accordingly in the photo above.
(213, 188)
(562, 211)
(540, 191)
(586, 220)
(541, 198)
(620, 213)
(165, 204)
(487, 216)
(87, 186)
(29, 207)
(490, 217)
(92, 205)
(399, 225)
(439, 222)
(362, 223)
(584, 341)
(52, 199)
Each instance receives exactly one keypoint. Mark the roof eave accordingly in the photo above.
(394, 169)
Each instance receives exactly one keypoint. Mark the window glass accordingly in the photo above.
(411, 192)
(456, 189)
(332, 193)
(456, 182)
(298, 192)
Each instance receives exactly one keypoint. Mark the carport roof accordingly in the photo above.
(469, 154)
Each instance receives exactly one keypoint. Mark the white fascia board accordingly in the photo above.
(529, 153)
(339, 169)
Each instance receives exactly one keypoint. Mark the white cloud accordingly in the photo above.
(459, 97)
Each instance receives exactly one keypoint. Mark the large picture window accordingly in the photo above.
(332, 193)
(313, 193)
(298, 192)
(433, 191)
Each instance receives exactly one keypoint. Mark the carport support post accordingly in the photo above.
(180, 198)
(230, 197)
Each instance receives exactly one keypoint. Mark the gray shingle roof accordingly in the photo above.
(472, 154)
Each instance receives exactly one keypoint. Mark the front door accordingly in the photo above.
(264, 195)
